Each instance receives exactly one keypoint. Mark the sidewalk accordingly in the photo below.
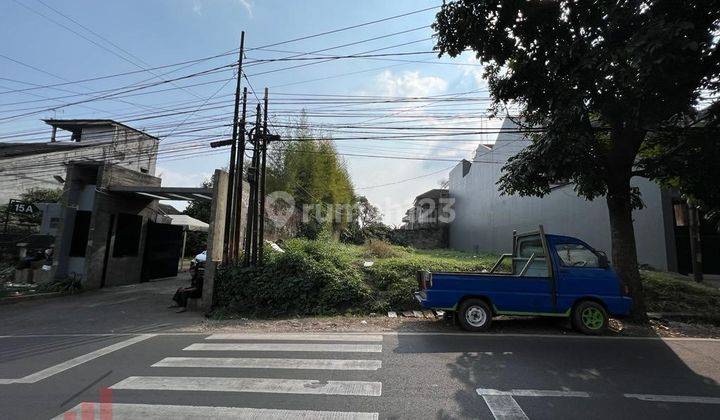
(138, 307)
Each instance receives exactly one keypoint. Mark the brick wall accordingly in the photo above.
(423, 238)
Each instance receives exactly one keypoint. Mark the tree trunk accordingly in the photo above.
(624, 252)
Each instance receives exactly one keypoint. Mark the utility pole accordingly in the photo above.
(250, 257)
(259, 137)
(239, 180)
(229, 248)
(261, 225)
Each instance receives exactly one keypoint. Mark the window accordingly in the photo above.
(576, 255)
(81, 230)
(127, 235)
(528, 246)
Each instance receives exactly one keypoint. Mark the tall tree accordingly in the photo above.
(594, 80)
(310, 169)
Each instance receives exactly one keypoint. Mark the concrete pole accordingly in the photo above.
(216, 234)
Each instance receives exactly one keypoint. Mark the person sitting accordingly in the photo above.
(184, 293)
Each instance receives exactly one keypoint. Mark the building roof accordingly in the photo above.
(434, 193)
(165, 193)
(79, 124)
(16, 149)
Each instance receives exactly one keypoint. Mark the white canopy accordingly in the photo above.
(188, 222)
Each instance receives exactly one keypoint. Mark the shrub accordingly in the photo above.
(382, 249)
(310, 278)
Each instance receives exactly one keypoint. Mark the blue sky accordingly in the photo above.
(161, 32)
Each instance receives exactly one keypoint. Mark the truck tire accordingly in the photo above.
(474, 315)
(589, 318)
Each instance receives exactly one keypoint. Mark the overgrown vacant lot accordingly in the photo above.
(325, 277)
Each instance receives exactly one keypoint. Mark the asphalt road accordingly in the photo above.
(117, 354)
(403, 376)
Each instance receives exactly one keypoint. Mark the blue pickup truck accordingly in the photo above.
(546, 275)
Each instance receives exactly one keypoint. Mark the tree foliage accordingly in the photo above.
(687, 158)
(310, 170)
(366, 223)
(593, 82)
(42, 195)
(38, 195)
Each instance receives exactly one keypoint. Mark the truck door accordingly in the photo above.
(532, 284)
(579, 273)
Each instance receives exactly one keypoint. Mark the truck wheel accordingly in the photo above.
(590, 318)
(474, 315)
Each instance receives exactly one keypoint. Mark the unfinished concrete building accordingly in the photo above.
(28, 165)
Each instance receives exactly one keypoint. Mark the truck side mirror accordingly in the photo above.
(603, 261)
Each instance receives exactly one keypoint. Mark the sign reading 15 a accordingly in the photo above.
(21, 207)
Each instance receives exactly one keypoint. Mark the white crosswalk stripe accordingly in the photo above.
(299, 337)
(268, 363)
(335, 348)
(268, 385)
(161, 412)
(251, 342)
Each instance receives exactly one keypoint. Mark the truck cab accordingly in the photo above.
(546, 275)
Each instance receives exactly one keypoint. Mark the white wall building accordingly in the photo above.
(485, 220)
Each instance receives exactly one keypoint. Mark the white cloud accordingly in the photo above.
(409, 83)
(248, 5)
(197, 7)
(475, 72)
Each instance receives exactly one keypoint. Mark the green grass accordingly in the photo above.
(671, 292)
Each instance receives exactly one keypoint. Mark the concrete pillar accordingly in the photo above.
(182, 253)
(216, 235)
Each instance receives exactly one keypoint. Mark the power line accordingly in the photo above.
(405, 180)
(332, 59)
(119, 91)
(347, 28)
(109, 76)
(124, 58)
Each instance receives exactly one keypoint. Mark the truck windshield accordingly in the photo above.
(576, 255)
